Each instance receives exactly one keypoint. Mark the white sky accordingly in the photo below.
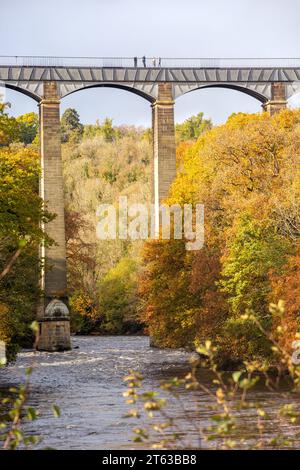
(165, 28)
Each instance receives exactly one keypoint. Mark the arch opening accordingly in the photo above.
(124, 108)
(132, 90)
(21, 102)
(294, 100)
(248, 91)
(21, 90)
(207, 99)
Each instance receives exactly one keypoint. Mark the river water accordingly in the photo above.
(87, 384)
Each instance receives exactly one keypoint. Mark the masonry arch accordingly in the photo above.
(147, 95)
(122, 104)
(294, 100)
(21, 90)
(207, 99)
(248, 91)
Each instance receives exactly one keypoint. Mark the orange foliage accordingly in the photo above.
(245, 170)
(287, 287)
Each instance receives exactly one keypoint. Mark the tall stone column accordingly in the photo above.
(53, 314)
(164, 148)
(278, 98)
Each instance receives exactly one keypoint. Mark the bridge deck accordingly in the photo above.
(254, 76)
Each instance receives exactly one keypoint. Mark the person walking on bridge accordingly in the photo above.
(135, 61)
(144, 61)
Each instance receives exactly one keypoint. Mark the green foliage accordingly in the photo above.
(71, 127)
(21, 208)
(23, 129)
(104, 129)
(117, 296)
(192, 128)
(99, 170)
(21, 211)
(246, 173)
(28, 125)
(9, 131)
(107, 130)
(19, 295)
(252, 252)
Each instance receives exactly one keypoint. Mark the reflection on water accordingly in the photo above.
(87, 384)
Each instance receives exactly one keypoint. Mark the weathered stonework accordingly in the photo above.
(53, 336)
(164, 148)
(54, 278)
(278, 99)
(54, 329)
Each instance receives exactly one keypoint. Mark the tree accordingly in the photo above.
(21, 214)
(9, 130)
(167, 304)
(108, 131)
(104, 129)
(285, 285)
(247, 174)
(21, 208)
(253, 250)
(71, 127)
(28, 125)
(82, 273)
(192, 128)
(117, 296)
(97, 170)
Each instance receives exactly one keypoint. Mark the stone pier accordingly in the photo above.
(278, 98)
(53, 314)
(164, 148)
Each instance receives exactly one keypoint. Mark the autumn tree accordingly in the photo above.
(102, 274)
(21, 214)
(246, 173)
(9, 131)
(285, 285)
(71, 127)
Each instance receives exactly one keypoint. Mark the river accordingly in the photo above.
(87, 384)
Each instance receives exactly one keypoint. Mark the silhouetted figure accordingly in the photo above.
(144, 61)
(159, 61)
(135, 61)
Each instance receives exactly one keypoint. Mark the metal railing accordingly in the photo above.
(148, 62)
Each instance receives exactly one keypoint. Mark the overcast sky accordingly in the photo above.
(165, 28)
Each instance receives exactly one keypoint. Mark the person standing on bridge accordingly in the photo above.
(144, 61)
(159, 61)
(135, 61)
(153, 61)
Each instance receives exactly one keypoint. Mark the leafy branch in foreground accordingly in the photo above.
(14, 412)
(220, 421)
(18, 412)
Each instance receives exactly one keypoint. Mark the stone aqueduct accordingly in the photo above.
(47, 80)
